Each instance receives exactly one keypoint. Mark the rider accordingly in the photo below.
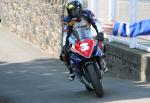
(78, 22)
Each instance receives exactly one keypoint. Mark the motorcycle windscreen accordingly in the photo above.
(84, 48)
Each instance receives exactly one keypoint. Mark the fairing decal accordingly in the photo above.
(84, 48)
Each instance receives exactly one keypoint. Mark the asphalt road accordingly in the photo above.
(28, 75)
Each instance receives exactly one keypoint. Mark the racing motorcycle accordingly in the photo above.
(86, 58)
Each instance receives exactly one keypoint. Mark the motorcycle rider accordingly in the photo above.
(78, 22)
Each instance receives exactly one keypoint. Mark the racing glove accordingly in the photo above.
(65, 49)
(100, 36)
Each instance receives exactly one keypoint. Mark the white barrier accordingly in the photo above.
(132, 43)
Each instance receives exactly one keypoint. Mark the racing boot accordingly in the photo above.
(71, 76)
(104, 67)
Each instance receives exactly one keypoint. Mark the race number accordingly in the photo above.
(84, 46)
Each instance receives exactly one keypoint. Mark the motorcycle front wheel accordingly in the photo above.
(94, 78)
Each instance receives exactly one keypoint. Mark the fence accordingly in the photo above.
(127, 11)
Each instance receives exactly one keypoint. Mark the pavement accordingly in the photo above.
(29, 75)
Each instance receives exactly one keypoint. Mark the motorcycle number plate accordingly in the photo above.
(84, 48)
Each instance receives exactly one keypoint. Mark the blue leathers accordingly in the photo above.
(80, 27)
(132, 30)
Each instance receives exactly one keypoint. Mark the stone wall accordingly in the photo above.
(37, 21)
(128, 63)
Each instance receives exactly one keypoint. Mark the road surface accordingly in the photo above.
(28, 75)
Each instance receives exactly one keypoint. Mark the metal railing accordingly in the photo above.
(131, 42)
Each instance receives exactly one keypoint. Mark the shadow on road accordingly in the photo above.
(45, 81)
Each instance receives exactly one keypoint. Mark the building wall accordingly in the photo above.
(37, 21)
(123, 9)
(127, 63)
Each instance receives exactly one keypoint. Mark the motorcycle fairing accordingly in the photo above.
(84, 48)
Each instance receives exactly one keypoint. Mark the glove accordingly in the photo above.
(65, 49)
(63, 52)
(64, 58)
(100, 36)
(61, 57)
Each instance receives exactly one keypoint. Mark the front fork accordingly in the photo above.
(85, 78)
(98, 68)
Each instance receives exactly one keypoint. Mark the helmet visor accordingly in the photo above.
(75, 12)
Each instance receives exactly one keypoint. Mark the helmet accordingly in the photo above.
(74, 9)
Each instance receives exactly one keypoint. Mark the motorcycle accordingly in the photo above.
(85, 56)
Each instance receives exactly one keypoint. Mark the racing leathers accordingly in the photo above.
(79, 30)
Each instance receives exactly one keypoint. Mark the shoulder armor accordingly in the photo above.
(87, 15)
(67, 19)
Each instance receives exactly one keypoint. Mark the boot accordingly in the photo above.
(71, 76)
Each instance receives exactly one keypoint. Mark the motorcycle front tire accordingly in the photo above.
(96, 83)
